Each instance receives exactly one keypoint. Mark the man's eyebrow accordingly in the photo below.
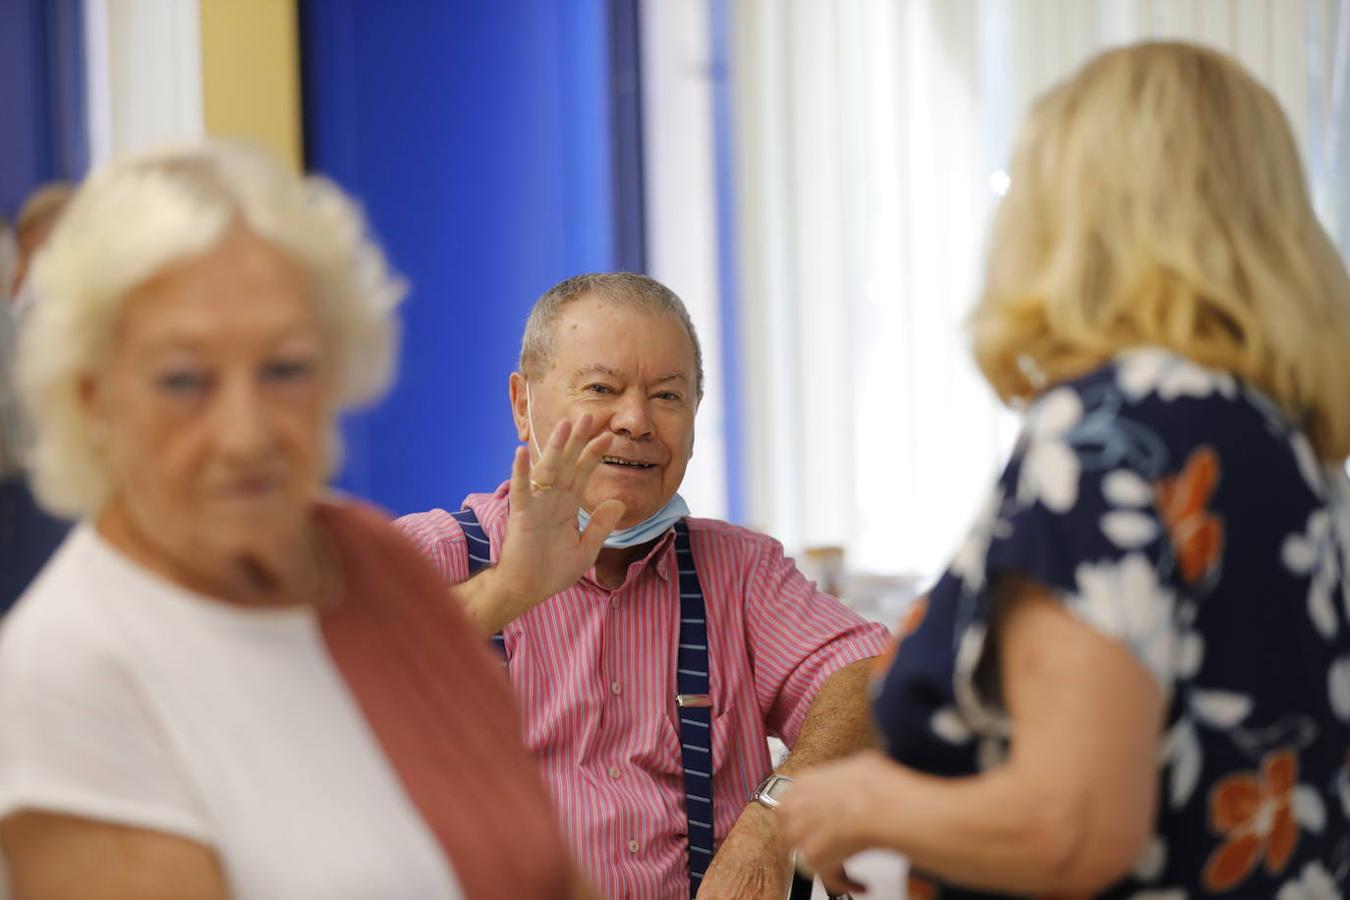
(673, 376)
(606, 370)
(595, 370)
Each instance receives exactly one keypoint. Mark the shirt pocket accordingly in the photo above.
(674, 738)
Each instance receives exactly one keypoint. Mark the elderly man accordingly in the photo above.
(650, 680)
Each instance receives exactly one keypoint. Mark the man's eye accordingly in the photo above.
(599, 389)
(669, 395)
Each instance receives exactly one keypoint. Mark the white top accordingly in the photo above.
(128, 699)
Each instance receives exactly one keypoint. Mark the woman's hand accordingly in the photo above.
(828, 812)
(544, 550)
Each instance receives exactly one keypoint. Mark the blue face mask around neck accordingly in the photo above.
(649, 529)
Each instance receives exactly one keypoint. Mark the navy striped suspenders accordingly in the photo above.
(480, 554)
(694, 707)
(693, 700)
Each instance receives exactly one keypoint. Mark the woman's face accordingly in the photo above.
(213, 407)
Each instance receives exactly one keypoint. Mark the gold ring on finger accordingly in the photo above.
(540, 486)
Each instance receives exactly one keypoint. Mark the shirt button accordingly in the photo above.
(613, 771)
(634, 846)
(614, 601)
(615, 687)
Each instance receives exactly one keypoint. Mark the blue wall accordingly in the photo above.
(41, 96)
(478, 137)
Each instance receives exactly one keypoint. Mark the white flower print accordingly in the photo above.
(1309, 810)
(990, 752)
(1308, 464)
(948, 725)
(969, 562)
(1153, 370)
(1135, 524)
(1181, 750)
(1150, 864)
(1339, 503)
(1338, 687)
(1125, 600)
(1189, 652)
(1219, 709)
(1314, 554)
(1049, 471)
(1313, 883)
(1125, 488)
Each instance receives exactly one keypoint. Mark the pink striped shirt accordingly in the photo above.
(594, 670)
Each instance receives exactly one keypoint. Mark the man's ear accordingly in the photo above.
(520, 406)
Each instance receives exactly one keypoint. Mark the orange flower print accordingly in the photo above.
(1196, 533)
(1255, 814)
(908, 624)
(917, 888)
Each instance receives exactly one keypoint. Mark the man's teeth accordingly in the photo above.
(615, 461)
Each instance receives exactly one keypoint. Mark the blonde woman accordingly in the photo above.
(224, 684)
(1134, 680)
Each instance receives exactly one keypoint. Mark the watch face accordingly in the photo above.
(777, 788)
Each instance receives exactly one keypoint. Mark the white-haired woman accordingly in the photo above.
(1134, 680)
(223, 684)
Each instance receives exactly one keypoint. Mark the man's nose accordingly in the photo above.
(631, 417)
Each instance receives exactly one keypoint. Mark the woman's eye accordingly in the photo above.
(668, 395)
(599, 389)
(286, 371)
(183, 382)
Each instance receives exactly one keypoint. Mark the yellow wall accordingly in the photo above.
(251, 73)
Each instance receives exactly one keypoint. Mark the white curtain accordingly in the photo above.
(871, 141)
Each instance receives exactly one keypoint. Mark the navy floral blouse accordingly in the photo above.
(1176, 510)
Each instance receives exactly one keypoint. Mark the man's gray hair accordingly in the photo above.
(536, 349)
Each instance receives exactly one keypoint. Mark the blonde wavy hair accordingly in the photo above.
(1158, 198)
(140, 215)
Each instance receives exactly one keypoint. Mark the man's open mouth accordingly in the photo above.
(627, 463)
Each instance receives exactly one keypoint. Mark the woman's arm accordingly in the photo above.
(54, 857)
(1070, 811)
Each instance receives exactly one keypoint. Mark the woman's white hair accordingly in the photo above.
(143, 213)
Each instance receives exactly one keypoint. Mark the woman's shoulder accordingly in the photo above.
(62, 647)
(1161, 406)
(365, 534)
(62, 613)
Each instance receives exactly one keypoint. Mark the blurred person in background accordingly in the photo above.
(224, 684)
(38, 216)
(9, 259)
(28, 535)
(1134, 680)
(650, 680)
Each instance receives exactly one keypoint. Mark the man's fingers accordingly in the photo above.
(590, 458)
(603, 520)
(576, 443)
(544, 473)
(520, 474)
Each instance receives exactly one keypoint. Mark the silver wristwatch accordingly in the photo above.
(771, 790)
